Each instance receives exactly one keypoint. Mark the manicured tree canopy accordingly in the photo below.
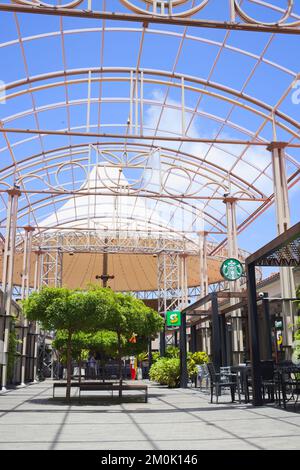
(104, 343)
(62, 309)
(80, 342)
(129, 316)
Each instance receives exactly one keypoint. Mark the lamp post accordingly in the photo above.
(105, 277)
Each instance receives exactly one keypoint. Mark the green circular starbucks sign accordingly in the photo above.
(232, 269)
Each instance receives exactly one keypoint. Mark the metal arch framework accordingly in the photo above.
(138, 77)
(183, 82)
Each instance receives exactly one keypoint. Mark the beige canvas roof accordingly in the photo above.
(132, 272)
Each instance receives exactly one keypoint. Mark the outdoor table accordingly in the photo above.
(243, 372)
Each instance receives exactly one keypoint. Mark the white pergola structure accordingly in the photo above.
(143, 133)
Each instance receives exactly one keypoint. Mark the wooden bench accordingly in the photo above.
(142, 388)
(95, 387)
(113, 388)
(78, 385)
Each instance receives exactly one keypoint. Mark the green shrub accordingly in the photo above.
(166, 372)
(172, 352)
(155, 357)
(200, 358)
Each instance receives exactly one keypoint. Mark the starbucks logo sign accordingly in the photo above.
(232, 269)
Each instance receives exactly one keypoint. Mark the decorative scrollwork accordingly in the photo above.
(249, 19)
(68, 168)
(188, 8)
(54, 4)
(174, 8)
(135, 171)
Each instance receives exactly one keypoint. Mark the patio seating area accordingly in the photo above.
(172, 419)
(280, 384)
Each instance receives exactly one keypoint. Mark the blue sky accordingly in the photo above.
(238, 67)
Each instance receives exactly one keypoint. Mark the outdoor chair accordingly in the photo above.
(269, 382)
(217, 383)
(226, 373)
(289, 385)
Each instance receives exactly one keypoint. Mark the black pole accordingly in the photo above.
(254, 338)
(162, 343)
(216, 332)
(150, 354)
(105, 265)
(193, 339)
(266, 307)
(183, 353)
(223, 342)
(176, 339)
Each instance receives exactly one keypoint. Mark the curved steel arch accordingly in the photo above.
(154, 32)
(162, 73)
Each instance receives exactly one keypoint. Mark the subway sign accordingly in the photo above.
(173, 318)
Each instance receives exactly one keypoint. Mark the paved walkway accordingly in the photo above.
(173, 419)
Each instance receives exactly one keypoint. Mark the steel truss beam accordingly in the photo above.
(172, 286)
(51, 268)
(103, 241)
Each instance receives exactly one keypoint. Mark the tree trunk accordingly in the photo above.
(120, 366)
(69, 366)
(79, 366)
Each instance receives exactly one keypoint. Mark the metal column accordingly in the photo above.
(216, 332)
(183, 353)
(37, 287)
(205, 327)
(266, 309)
(254, 336)
(8, 271)
(283, 220)
(25, 291)
(237, 329)
(182, 330)
(193, 339)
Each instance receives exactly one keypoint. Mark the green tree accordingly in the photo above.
(128, 316)
(63, 309)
